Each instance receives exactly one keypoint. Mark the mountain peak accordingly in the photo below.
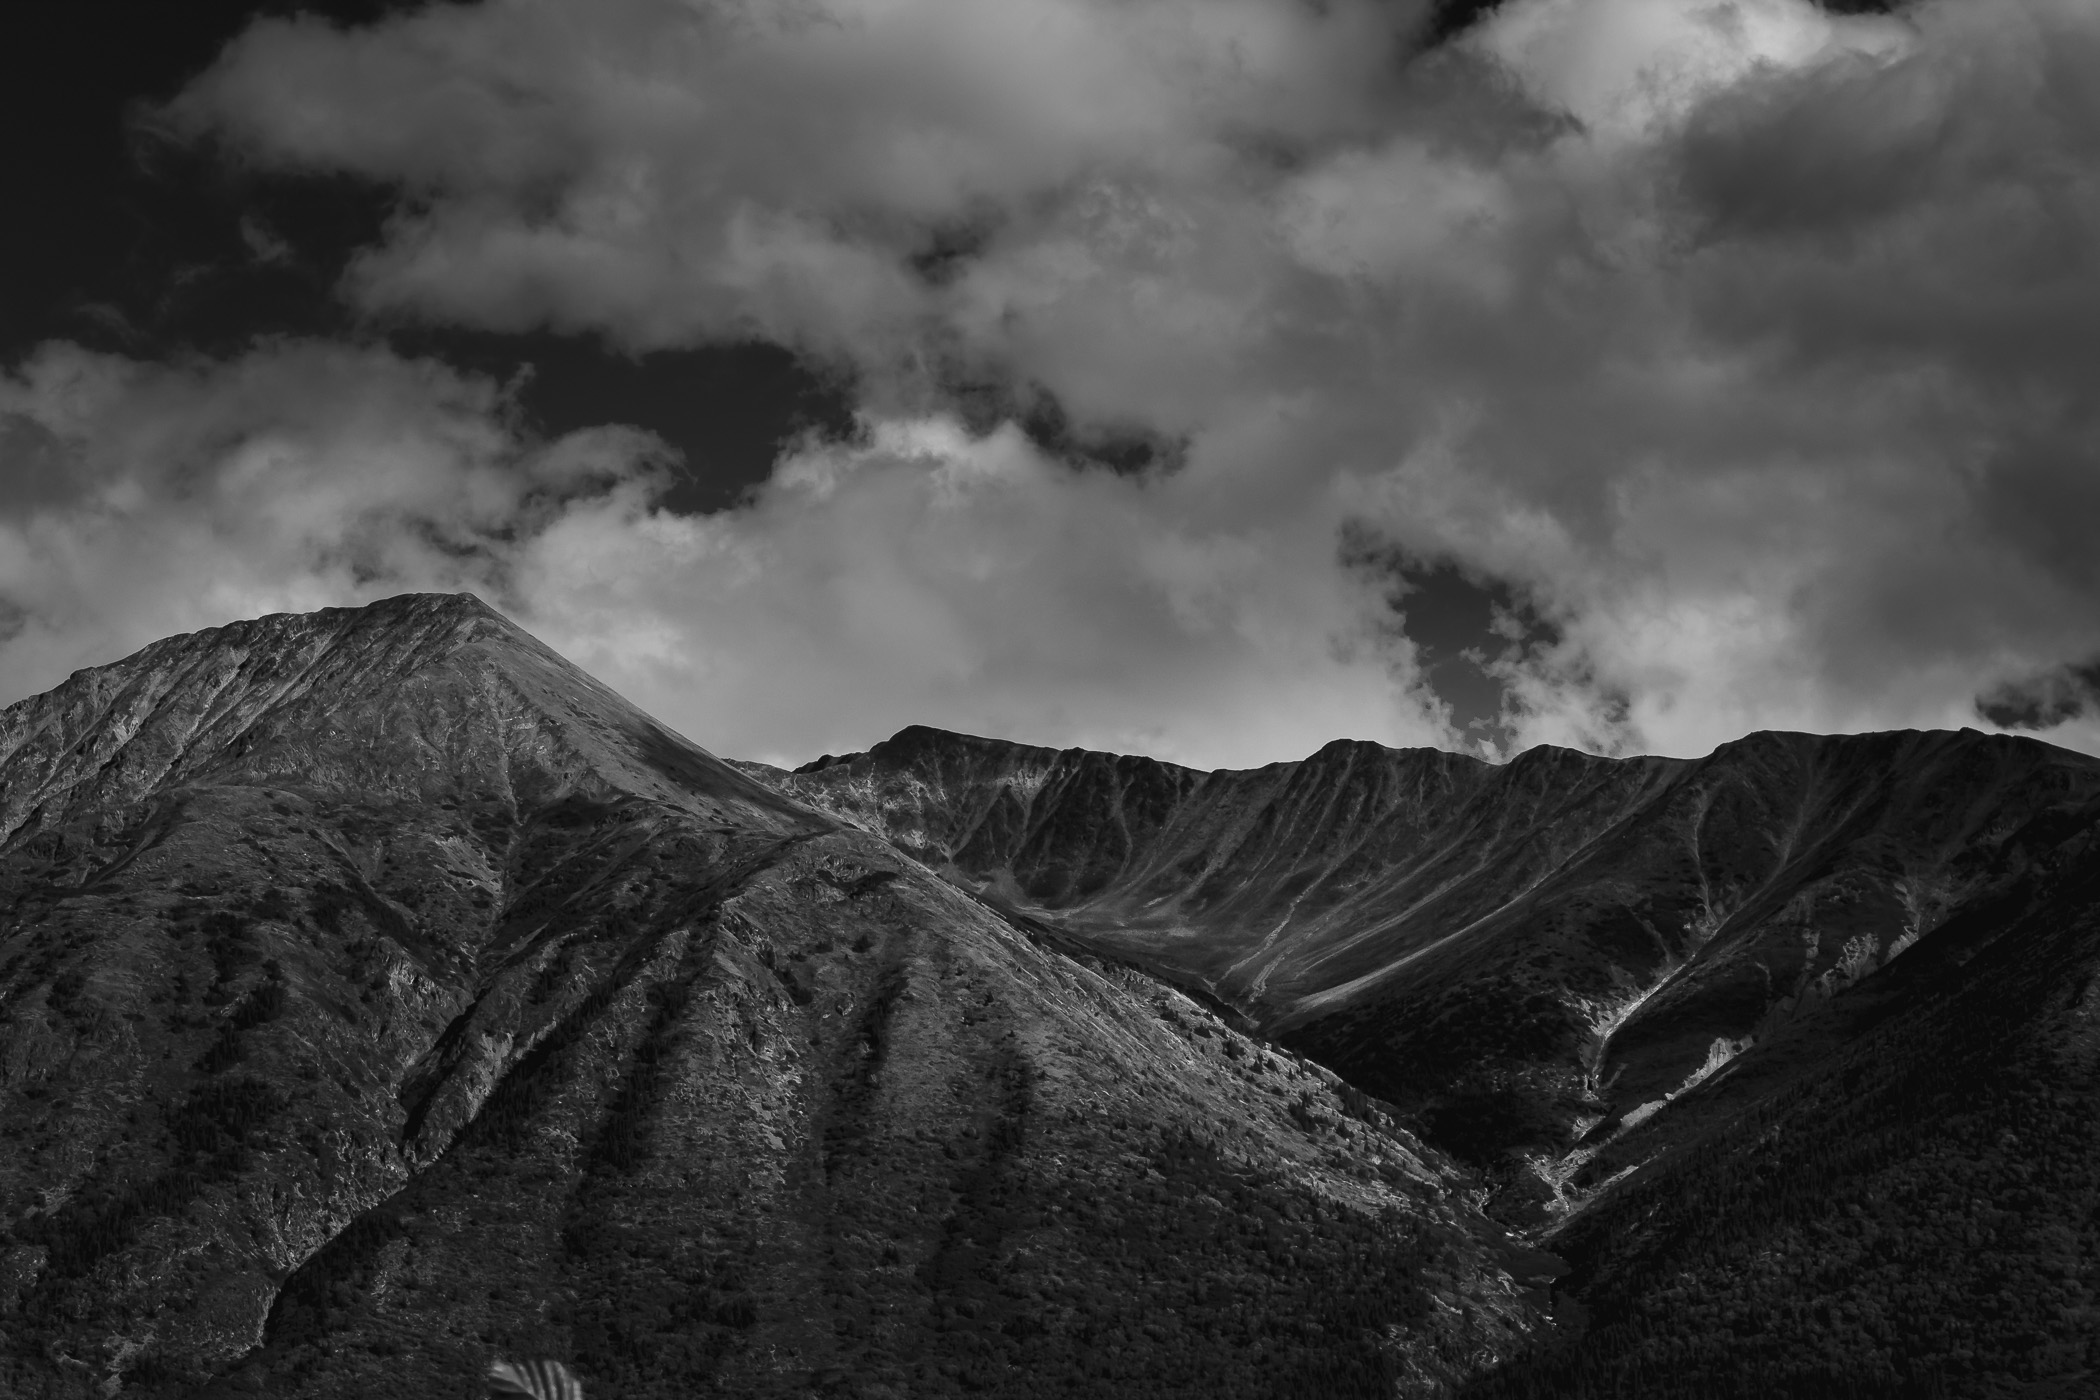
(430, 695)
(464, 605)
(411, 611)
(405, 618)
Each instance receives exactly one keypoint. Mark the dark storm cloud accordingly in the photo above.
(2044, 702)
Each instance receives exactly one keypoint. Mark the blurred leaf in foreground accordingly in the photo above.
(540, 1380)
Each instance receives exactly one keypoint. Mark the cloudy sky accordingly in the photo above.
(1206, 378)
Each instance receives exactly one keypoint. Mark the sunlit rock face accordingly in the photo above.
(379, 994)
(1527, 956)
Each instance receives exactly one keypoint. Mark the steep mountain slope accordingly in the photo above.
(378, 993)
(1533, 957)
(1898, 1197)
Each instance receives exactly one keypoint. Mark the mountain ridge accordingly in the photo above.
(1788, 1051)
(1300, 893)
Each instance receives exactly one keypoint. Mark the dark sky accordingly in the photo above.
(142, 245)
(152, 248)
(148, 247)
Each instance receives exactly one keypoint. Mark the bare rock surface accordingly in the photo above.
(379, 994)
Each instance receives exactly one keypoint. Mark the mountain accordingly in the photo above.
(1535, 952)
(1788, 1049)
(380, 995)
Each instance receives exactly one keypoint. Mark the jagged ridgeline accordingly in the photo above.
(1531, 955)
(381, 996)
(1790, 1050)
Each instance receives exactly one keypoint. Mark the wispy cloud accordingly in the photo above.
(1746, 343)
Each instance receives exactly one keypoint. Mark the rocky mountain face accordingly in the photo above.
(1530, 956)
(379, 994)
(1789, 1050)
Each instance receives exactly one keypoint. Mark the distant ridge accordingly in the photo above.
(1789, 1050)
(1386, 909)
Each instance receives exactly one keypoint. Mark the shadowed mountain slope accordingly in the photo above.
(1898, 1197)
(378, 993)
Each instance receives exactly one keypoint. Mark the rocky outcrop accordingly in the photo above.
(378, 994)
